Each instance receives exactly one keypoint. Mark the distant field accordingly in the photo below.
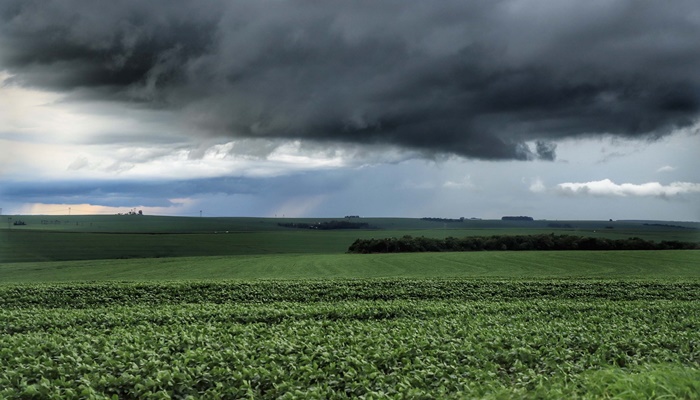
(167, 224)
(114, 237)
(560, 264)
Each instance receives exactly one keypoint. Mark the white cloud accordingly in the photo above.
(537, 186)
(666, 168)
(606, 187)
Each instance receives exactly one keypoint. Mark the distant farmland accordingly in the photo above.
(46, 238)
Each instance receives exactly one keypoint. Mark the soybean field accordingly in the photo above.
(393, 338)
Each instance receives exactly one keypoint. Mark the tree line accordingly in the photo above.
(327, 225)
(518, 218)
(443, 219)
(408, 244)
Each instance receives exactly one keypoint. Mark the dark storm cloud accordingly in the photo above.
(76, 44)
(478, 79)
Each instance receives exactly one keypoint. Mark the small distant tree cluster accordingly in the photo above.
(671, 226)
(410, 244)
(132, 212)
(19, 223)
(327, 225)
(518, 218)
(443, 219)
(352, 216)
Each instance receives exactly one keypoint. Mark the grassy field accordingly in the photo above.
(132, 307)
(668, 264)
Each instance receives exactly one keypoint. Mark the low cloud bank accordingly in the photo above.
(606, 187)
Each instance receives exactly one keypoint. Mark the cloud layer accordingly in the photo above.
(488, 80)
(606, 187)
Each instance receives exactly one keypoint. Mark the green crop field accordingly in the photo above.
(667, 264)
(137, 307)
(390, 338)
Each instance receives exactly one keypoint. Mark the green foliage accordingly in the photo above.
(650, 381)
(86, 295)
(359, 338)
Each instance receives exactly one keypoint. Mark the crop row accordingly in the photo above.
(107, 318)
(399, 348)
(81, 295)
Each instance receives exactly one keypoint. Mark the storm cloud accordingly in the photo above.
(490, 80)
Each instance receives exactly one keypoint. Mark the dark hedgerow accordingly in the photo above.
(407, 244)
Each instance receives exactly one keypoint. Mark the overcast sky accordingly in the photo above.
(555, 109)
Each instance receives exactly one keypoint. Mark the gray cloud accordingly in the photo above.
(159, 193)
(122, 194)
(475, 79)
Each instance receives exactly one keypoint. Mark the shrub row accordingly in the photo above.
(409, 244)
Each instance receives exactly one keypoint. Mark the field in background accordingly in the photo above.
(45, 238)
(168, 224)
(656, 265)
